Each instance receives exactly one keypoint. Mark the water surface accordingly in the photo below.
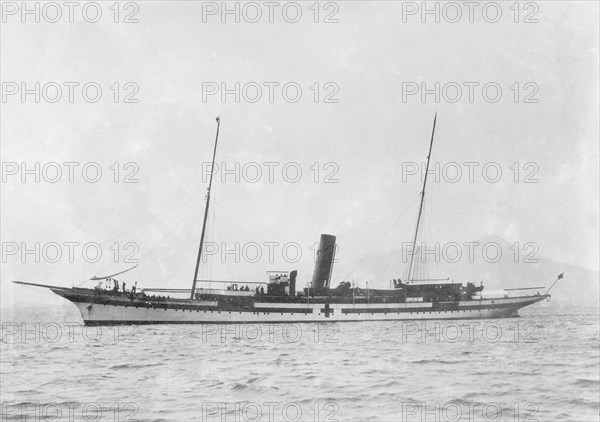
(543, 366)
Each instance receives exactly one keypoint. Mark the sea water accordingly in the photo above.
(542, 366)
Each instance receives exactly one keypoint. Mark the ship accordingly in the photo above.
(279, 300)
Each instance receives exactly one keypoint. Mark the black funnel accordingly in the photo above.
(324, 263)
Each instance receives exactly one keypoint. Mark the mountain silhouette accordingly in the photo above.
(514, 268)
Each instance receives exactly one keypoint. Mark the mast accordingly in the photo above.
(422, 200)
(205, 211)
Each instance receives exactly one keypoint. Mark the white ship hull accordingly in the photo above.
(107, 314)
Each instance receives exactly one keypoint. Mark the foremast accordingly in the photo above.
(422, 200)
(205, 211)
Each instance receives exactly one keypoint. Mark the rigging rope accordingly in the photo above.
(185, 247)
(382, 236)
(185, 214)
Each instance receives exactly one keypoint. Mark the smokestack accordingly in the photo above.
(293, 275)
(324, 264)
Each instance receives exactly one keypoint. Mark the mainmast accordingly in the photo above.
(422, 200)
(205, 211)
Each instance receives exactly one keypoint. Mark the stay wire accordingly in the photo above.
(382, 236)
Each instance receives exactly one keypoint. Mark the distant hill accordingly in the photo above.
(579, 285)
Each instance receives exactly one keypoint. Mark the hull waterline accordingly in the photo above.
(209, 312)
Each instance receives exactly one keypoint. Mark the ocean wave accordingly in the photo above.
(586, 383)
(136, 365)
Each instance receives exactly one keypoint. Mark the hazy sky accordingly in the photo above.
(370, 58)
